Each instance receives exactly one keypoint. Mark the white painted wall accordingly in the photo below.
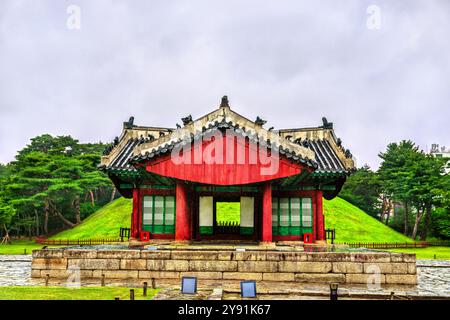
(247, 211)
(206, 211)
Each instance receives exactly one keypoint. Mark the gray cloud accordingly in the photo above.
(290, 62)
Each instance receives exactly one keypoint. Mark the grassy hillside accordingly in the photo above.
(105, 223)
(351, 223)
(354, 225)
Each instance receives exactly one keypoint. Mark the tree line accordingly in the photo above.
(52, 184)
(409, 191)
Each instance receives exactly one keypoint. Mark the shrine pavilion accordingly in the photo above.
(182, 178)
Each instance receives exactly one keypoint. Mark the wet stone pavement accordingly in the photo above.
(433, 277)
(15, 270)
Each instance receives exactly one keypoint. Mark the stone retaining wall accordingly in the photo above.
(393, 268)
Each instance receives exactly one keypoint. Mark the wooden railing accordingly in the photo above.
(75, 242)
(227, 227)
(394, 245)
(330, 235)
(124, 233)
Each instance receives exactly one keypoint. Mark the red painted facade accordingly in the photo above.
(236, 164)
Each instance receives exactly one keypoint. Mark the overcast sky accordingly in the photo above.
(290, 62)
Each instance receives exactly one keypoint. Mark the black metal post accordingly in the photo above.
(131, 294)
(333, 291)
(145, 289)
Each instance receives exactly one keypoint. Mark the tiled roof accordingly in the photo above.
(325, 160)
(325, 156)
(168, 146)
(121, 161)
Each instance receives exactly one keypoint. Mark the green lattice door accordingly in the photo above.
(159, 214)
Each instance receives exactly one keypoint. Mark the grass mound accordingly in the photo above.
(105, 223)
(354, 225)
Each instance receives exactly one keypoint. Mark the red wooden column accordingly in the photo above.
(320, 219)
(267, 213)
(314, 229)
(182, 212)
(135, 215)
(139, 211)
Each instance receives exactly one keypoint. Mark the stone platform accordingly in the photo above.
(231, 263)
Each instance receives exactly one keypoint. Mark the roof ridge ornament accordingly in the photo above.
(326, 124)
(129, 124)
(224, 102)
(259, 121)
(187, 120)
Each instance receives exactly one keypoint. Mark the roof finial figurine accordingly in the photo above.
(259, 121)
(129, 124)
(224, 102)
(187, 120)
(348, 154)
(306, 143)
(178, 126)
(326, 124)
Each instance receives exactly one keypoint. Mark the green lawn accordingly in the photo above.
(64, 293)
(228, 212)
(354, 225)
(442, 253)
(19, 246)
(105, 223)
